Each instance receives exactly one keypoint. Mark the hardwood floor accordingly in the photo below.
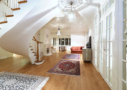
(90, 79)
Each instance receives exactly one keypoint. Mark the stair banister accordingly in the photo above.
(38, 49)
(8, 6)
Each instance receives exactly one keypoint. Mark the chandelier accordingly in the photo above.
(71, 14)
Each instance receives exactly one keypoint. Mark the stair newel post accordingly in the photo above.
(37, 51)
(40, 51)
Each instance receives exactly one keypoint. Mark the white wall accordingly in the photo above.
(78, 40)
(4, 54)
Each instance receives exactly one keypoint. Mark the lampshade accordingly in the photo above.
(58, 33)
(71, 16)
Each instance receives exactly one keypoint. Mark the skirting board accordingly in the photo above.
(102, 76)
(3, 57)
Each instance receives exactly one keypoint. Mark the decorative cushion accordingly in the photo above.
(81, 48)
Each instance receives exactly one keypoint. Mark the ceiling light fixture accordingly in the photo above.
(71, 14)
(58, 33)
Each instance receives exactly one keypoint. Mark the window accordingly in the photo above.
(54, 41)
(107, 6)
(69, 41)
(64, 41)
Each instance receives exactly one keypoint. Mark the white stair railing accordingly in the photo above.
(8, 6)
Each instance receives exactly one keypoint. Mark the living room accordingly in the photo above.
(42, 44)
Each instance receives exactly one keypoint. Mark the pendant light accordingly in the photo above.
(71, 14)
(58, 33)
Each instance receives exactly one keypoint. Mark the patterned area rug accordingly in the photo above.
(16, 81)
(66, 67)
(72, 56)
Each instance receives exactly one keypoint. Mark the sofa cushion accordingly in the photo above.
(79, 48)
(74, 48)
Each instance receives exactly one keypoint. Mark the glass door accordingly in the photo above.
(124, 61)
(101, 48)
(96, 36)
(109, 48)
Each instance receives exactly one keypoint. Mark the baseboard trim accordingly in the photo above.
(102, 76)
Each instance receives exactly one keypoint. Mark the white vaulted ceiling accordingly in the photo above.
(83, 17)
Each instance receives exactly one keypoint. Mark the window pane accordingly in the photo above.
(124, 9)
(69, 41)
(107, 75)
(107, 22)
(66, 41)
(62, 42)
(110, 19)
(108, 37)
(54, 41)
(111, 1)
(124, 71)
(110, 63)
(107, 6)
(107, 47)
(59, 41)
(110, 80)
(111, 34)
(124, 86)
(110, 48)
(124, 50)
(125, 30)
(95, 53)
(95, 61)
(107, 60)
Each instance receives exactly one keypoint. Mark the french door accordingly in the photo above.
(101, 48)
(96, 41)
(109, 42)
(124, 60)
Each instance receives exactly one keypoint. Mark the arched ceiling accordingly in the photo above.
(83, 18)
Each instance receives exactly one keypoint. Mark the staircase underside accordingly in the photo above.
(18, 38)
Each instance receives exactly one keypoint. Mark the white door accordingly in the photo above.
(124, 60)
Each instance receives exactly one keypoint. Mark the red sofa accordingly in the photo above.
(77, 49)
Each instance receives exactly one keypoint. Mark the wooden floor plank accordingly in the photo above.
(90, 79)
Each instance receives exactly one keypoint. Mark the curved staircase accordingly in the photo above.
(20, 22)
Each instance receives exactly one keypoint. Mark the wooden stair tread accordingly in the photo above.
(31, 49)
(33, 52)
(30, 46)
(14, 9)
(3, 22)
(20, 2)
(9, 15)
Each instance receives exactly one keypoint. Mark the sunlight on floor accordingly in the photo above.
(16, 55)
